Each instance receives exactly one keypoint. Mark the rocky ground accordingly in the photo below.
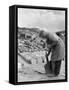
(37, 73)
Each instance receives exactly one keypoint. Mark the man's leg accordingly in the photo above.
(48, 68)
(56, 65)
(54, 68)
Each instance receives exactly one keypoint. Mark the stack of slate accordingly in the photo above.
(32, 44)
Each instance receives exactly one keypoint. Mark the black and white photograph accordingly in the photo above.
(41, 45)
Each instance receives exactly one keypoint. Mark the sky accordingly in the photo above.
(49, 20)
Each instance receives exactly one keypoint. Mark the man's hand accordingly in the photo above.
(49, 46)
(49, 51)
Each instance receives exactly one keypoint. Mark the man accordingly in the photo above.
(56, 48)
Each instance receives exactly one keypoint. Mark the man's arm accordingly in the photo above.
(52, 44)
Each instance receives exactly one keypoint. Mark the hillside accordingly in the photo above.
(31, 56)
